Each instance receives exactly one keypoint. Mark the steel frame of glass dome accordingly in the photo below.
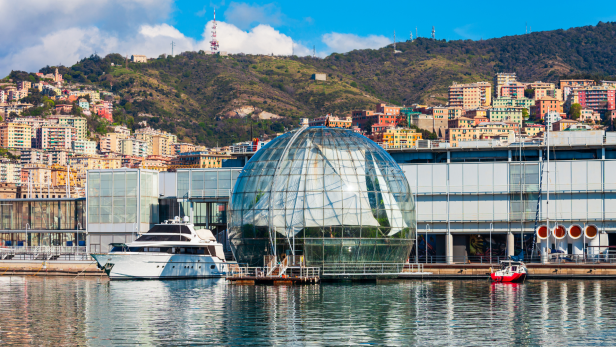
(344, 193)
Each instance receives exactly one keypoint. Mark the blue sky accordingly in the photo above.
(308, 21)
(37, 33)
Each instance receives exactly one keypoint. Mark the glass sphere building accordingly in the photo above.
(330, 194)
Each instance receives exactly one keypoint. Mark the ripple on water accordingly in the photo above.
(63, 311)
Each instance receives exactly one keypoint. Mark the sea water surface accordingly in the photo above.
(67, 312)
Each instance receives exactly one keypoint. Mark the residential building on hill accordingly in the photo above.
(544, 105)
(15, 135)
(588, 115)
(471, 95)
(599, 99)
(84, 147)
(505, 114)
(56, 137)
(514, 90)
(489, 130)
(513, 102)
(501, 79)
(79, 123)
(10, 171)
(200, 160)
(136, 58)
(331, 121)
(393, 137)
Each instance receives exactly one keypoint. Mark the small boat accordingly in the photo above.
(171, 250)
(510, 271)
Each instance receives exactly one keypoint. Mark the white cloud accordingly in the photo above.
(342, 43)
(67, 46)
(243, 15)
(262, 39)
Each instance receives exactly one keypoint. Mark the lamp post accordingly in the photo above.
(426, 241)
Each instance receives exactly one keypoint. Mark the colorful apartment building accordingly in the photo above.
(471, 95)
(200, 160)
(533, 130)
(514, 90)
(182, 147)
(15, 135)
(134, 147)
(505, 114)
(84, 104)
(461, 122)
(79, 123)
(588, 115)
(362, 117)
(387, 109)
(545, 105)
(513, 102)
(331, 121)
(503, 78)
(56, 137)
(483, 131)
(84, 147)
(576, 83)
(598, 99)
(397, 137)
(10, 171)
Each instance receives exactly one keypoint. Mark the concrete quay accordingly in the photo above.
(535, 271)
(49, 268)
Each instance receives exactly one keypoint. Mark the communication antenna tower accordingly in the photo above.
(416, 35)
(172, 45)
(314, 51)
(411, 35)
(394, 41)
(214, 43)
(433, 33)
(527, 27)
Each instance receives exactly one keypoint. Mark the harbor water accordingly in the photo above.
(57, 311)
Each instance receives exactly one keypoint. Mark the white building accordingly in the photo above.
(84, 147)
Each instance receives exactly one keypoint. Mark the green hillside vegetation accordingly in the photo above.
(195, 95)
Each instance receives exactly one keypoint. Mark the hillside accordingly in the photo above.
(198, 96)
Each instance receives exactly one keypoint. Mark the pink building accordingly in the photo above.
(512, 90)
(56, 137)
(599, 99)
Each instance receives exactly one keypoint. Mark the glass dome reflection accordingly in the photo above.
(341, 195)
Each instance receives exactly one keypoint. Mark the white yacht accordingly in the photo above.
(172, 249)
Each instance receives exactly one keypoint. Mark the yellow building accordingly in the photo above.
(160, 145)
(398, 138)
(59, 176)
(14, 135)
(484, 131)
(201, 160)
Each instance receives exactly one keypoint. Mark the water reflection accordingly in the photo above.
(63, 311)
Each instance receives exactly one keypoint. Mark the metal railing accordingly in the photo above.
(211, 193)
(360, 269)
(257, 272)
(553, 258)
(44, 253)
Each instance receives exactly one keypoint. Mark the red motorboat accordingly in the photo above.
(510, 271)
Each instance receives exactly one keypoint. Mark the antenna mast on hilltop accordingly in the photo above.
(314, 51)
(394, 41)
(214, 43)
(411, 35)
(433, 33)
(172, 45)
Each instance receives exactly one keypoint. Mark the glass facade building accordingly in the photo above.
(42, 222)
(121, 204)
(329, 194)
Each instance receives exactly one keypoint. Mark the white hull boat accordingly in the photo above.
(172, 250)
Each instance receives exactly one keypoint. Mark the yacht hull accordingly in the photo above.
(131, 266)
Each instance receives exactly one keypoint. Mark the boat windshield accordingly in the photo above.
(149, 238)
(169, 229)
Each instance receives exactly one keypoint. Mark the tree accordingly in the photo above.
(575, 111)
(529, 93)
(525, 113)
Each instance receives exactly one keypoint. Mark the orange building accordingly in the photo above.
(544, 105)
